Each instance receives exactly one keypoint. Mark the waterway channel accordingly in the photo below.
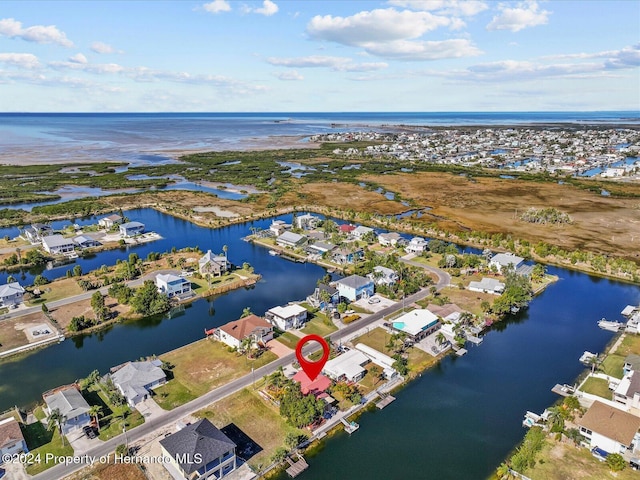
(458, 420)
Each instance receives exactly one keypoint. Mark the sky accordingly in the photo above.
(315, 56)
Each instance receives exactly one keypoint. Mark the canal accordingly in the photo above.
(458, 420)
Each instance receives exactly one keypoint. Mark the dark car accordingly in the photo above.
(89, 431)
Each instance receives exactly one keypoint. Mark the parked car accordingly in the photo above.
(374, 300)
(89, 431)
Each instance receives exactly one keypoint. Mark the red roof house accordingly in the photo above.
(320, 384)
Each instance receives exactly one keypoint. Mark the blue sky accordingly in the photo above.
(274, 55)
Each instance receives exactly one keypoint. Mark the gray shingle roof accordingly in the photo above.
(10, 289)
(69, 402)
(199, 438)
(354, 281)
(135, 375)
(56, 240)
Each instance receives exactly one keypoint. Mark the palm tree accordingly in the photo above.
(245, 345)
(95, 411)
(56, 420)
(594, 362)
(441, 339)
(11, 279)
(556, 418)
(503, 472)
(18, 253)
(225, 249)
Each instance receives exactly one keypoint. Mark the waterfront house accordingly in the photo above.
(504, 260)
(631, 362)
(417, 324)
(57, 244)
(251, 326)
(11, 438)
(610, 429)
(349, 254)
(131, 229)
(72, 406)
(628, 390)
(355, 287)
(84, 241)
(346, 228)
(173, 285)
(11, 294)
(213, 264)
(277, 227)
(307, 386)
(349, 366)
(35, 232)
(383, 276)
(291, 240)
(286, 318)
(390, 239)
(449, 312)
(307, 221)
(317, 298)
(135, 380)
(382, 360)
(361, 231)
(110, 221)
(321, 248)
(198, 451)
(487, 285)
(416, 245)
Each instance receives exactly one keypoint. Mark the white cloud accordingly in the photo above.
(624, 58)
(268, 8)
(22, 60)
(78, 58)
(340, 64)
(466, 8)
(103, 48)
(291, 75)
(217, 6)
(12, 28)
(525, 14)
(426, 50)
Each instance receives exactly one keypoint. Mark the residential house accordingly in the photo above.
(449, 312)
(383, 276)
(321, 248)
(345, 255)
(317, 298)
(487, 285)
(131, 229)
(346, 228)
(355, 287)
(278, 227)
(631, 362)
(348, 366)
(110, 221)
(361, 231)
(308, 386)
(416, 245)
(199, 451)
(307, 221)
(382, 360)
(72, 406)
(417, 324)
(290, 239)
(11, 438)
(173, 285)
(504, 260)
(251, 326)
(57, 244)
(35, 232)
(11, 294)
(135, 380)
(84, 241)
(610, 429)
(286, 318)
(213, 264)
(628, 390)
(390, 239)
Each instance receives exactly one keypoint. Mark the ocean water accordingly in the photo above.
(148, 138)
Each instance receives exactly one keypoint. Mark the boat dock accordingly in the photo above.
(474, 340)
(461, 351)
(609, 325)
(384, 401)
(564, 390)
(349, 427)
(296, 468)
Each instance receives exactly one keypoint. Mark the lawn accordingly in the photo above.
(63, 288)
(466, 299)
(260, 420)
(112, 417)
(612, 365)
(319, 324)
(630, 344)
(597, 386)
(559, 461)
(200, 367)
(289, 339)
(42, 442)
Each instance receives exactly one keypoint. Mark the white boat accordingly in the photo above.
(609, 325)
(274, 253)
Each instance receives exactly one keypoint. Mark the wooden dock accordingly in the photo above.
(475, 340)
(384, 401)
(460, 352)
(296, 468)
(564, 390)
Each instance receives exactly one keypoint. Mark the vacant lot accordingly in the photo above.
(601, 224)
(109, 471)
(65, 313)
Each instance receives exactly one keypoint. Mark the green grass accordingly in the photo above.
(630, 344)
(111, 416)
(172, 395)
(319, 324)
(42, 442)
(612, 365)
(289, 339)
(597, 386)
(114, 428)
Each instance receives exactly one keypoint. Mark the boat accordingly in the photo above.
(274, 253)
(610, 325)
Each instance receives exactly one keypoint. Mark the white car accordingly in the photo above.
(374, 300)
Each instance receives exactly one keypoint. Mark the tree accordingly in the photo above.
(148, 301)
(45, 309)
(95, 411)
(374, 371)
(225, 249)
(503, 472)
(122, 450)
(300, 410)
(77, 271)
(40, 280)
(99, 308)
(56, 420)
(616, 462)
(556, 419)
(293, 439)
(246, 311)
(279, 455)
(11, 279)
(441, 339)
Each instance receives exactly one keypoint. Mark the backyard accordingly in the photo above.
(597, 386)
(41, 441)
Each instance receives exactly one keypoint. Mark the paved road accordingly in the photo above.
(444, 279)
(172, 416)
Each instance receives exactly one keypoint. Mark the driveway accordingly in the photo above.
(149, 409)
(81, 443)
(278, 348)
(380, 303)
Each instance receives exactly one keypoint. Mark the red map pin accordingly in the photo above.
(312, 369)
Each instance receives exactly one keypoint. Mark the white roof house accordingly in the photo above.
(172, 285)
(211, 263)
(417, 323)
(382, 360)
(136, 379)
(487, 285)
(57, 244)
(290, 239)
(131, 228)
(360, 231)
(348, 366)
(383, 275)
(503, 260)
(285, 318)
(11, 294)
(416, 245)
